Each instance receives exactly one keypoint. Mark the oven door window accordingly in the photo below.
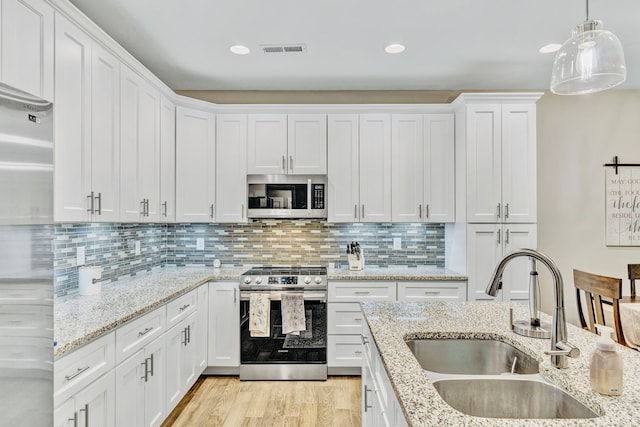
(308, 347)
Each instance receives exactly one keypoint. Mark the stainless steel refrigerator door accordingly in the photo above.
(26, 259)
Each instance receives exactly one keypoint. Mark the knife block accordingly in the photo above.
(356, 263)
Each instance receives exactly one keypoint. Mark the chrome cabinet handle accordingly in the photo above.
(164, 208)
(151, 363)
(498, 237)
(420, 211)
(76, 373)
(242, 211)
(184, 331)
(211, 211)
(291, 163)
(498, 210)
(142, 207)
(99, 203)
(284, 165)
(184, 307)
(90, 197)
(355, 211)
(426, 212)
(506, 237)
(235, 295)
(366, 400)
(362, 292)
(147, 207)
(145, 332)
(506, 211)
(74, 419)
(362, 217)
(431, 293)
(189, 334)
(365, 340)
(146, 371)
(86, 415)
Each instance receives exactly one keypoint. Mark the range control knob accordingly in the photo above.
(258, 280)
(318, 280)
(247, 280)
(307, 280)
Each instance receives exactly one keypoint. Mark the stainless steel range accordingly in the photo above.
(274, 355)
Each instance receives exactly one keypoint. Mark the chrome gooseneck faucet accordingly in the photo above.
(560, 348)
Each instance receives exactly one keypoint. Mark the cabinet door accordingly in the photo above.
(484, 166)
(131, 203)
(72, 120)
(231, 167)
(202, 326)
(519, 163)
(343, 172)
(175, 340)
(515, 280)
(195, 164)
(375, 167)
(189, 374)
(149, 151)
(439, 168)
(484, 249)
(267, 145)
(105, 160)
(167, 161)
(26, 50)
(154, 386)
(407, 168)
(224, 334)
(96, 403)
(130, 386)
(307, 144)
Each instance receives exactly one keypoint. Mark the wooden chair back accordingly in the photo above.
(634, 273)
(598, 290)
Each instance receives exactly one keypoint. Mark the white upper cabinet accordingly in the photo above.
(195, 165)
(343, 174)
(501, 162)
(279, 144)
(307, 144)
(439, 168)
(375, 168)
(231, 168)
(359, 168)
(86, 123)
(407, 156)
(26, 46)
(139, 149)
(167, 161)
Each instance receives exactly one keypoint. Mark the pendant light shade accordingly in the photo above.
(592, 60)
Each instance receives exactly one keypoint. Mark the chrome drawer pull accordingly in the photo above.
(362, 292)
(431, 293)
(145, 332)
(75, 374)
(184, 307)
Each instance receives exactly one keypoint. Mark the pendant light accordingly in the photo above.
(592, 60)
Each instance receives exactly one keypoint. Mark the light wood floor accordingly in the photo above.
(226, 401)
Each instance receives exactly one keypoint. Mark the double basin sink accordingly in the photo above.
(490, 378)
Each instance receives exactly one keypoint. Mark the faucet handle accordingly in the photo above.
(564, 349)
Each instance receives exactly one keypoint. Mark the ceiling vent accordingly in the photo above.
(284, 48)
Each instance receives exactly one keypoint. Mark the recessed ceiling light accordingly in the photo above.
(550, 48)
(239, 49)
(394, 48)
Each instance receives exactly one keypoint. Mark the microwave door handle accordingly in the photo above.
(309, 202)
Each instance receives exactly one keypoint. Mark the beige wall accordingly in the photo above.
(576, 135)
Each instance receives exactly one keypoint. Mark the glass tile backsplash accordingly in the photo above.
(264, 242)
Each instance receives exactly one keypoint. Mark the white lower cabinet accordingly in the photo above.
(181, 360)
(432, 291)
(224, 332)
(140, 387)
(93, 406)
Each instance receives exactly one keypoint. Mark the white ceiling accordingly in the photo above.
(451, 44)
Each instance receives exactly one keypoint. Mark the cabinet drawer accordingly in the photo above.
(362, 291)
(432, 291)
(344, 351)
(344, 318)
(74, 371)
(136, 334)
(181, 307)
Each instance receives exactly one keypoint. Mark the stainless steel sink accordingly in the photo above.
(471, 357)
(510, 398)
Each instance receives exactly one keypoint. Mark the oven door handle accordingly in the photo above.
(277, 296)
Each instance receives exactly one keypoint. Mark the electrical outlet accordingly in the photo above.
(80, 259)
(200, 244)
(137, 247)
(397, 243)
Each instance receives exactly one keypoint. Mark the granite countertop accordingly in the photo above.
(79, 319)
(391, 323)
(425, 273)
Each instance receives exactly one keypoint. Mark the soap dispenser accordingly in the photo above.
(606, 364)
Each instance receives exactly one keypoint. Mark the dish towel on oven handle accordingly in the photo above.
(293, 318)
(259, 314)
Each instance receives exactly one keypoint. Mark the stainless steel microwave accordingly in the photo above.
(287, 196)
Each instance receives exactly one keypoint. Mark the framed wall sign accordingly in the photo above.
(622, 210)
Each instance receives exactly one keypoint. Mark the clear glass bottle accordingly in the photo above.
(606, 365)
